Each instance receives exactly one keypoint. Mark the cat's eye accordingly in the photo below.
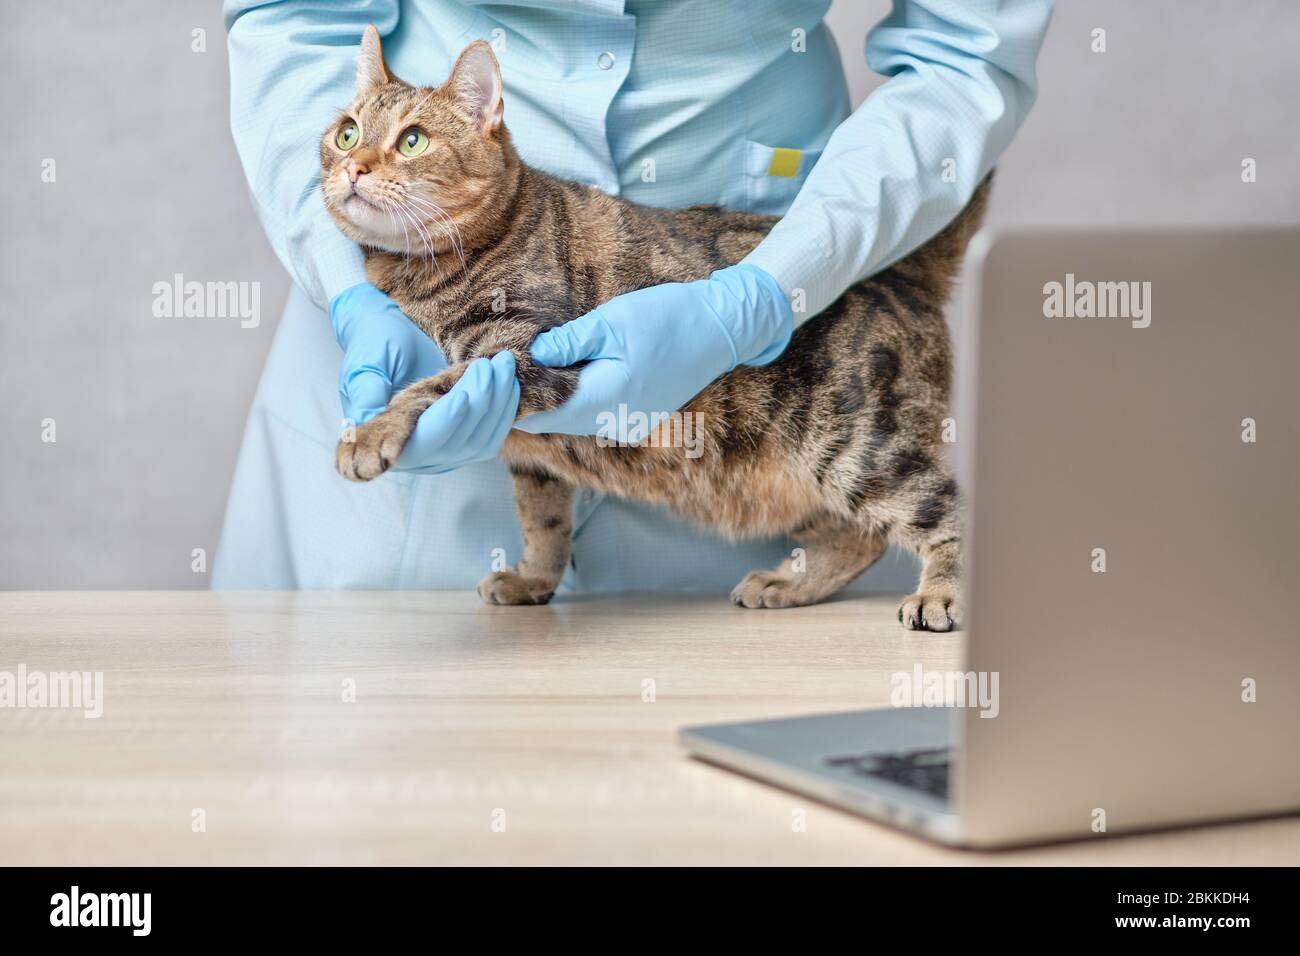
(347, 136)
(413, 142)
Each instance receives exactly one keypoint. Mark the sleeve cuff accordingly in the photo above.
(802, 267)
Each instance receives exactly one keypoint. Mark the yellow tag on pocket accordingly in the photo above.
(785, 162)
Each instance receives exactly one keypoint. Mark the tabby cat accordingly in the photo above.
(836, 443)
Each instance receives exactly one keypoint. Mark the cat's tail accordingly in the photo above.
(941, 257)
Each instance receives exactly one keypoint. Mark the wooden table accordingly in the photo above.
(477, 735)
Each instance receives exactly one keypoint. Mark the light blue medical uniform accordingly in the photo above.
(664, 102)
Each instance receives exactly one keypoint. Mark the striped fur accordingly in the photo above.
(837, 443)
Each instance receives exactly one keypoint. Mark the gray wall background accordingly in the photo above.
(149, 411)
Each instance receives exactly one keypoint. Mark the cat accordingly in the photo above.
(836, 443)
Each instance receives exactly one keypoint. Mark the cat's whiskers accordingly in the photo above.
(406, 235)
(411, 212)
(408, 216)
(390, 211)
(440, 219)
(447, 223)
(442, 228)
(405, 220)
(318, 186)
(417, 216)
(423, 227)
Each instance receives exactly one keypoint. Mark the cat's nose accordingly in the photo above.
(356, 169)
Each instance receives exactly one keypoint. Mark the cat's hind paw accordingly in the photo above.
(935, 610)
(770, 589)
(507, 587)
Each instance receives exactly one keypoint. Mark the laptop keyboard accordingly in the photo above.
(925, 770)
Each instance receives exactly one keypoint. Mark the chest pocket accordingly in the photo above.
(774, 175)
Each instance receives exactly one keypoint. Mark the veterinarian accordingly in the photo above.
(667, 103)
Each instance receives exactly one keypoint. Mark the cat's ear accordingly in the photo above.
(371, 71)
(475, 82)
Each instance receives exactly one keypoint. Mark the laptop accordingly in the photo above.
(1128, 414)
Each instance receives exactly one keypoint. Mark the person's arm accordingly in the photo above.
(961, 81)
(292, 68)
(905, 163)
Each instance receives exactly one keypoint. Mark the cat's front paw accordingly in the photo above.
(507, 587)
(936, 609)
(373, 450)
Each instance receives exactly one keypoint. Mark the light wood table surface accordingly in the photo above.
(232, 704)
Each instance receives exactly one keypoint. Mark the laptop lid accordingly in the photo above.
(1130, 452)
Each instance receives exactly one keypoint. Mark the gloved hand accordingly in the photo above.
(384, 351)
(654, 349)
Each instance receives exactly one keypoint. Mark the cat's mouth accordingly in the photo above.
(355, 194)
(363, 213)
(358, 198)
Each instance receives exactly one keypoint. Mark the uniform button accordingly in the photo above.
(605, 61)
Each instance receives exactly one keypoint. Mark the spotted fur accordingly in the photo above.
(836, 443)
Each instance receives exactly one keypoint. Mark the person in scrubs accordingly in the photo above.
(664, 102)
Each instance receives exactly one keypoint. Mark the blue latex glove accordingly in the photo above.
(384, 351)
(655, 349)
